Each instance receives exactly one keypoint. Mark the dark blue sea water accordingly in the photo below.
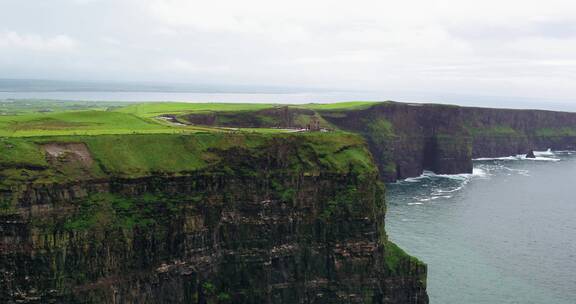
(504, 234)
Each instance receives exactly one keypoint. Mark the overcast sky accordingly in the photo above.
(508, 48)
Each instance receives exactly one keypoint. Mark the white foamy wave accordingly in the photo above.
(459, 182)
(426, 199)
(544, 153)
(414, 179)
(538, 157)
(496, 158)
(465, 177)
(476, 172)
(441, 191)
(518, 171)
(412, 204)
(479, 172)
(431, 198)
(462, 176)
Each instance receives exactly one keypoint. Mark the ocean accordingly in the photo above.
(7, 92)
(504, 234)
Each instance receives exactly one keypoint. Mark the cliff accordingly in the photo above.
(201, 218)
(504, 132)
(406, 138)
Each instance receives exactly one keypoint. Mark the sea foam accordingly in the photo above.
(547, 155)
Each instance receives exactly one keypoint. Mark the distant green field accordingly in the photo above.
(157, 108)
(349, 105)
(81, 123)
(24, 106)
(53, 118)
(94, 122)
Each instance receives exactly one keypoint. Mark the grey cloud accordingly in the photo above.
(370, 46)
(551, 29)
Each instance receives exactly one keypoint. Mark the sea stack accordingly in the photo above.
(530, 154)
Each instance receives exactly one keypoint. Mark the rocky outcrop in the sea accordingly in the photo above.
(249, 219)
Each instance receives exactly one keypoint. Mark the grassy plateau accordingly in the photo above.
(130, 140)
(76, 118)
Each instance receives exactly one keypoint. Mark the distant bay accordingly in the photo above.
(183, 96)
(299, 97)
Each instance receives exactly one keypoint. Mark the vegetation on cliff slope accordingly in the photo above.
(567, 131)
(132, 119)
(151, 109)
(128, 142)
(134, 155)
(499, 130)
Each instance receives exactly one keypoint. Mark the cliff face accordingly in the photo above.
(406, 139)
(280, 117)
(409, 138)
(279, 219)
(504, 132)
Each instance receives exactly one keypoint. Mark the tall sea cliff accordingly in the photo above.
(199, 218)
(408, 138)
(226, 215)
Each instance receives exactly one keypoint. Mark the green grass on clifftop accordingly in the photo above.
(133, 155)
(152, 109)
(140, 118)
(349, 105)
(78, 123)
(398, 261)
(138, 155)
(129, 142)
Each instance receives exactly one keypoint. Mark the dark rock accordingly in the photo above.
(530, 154)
